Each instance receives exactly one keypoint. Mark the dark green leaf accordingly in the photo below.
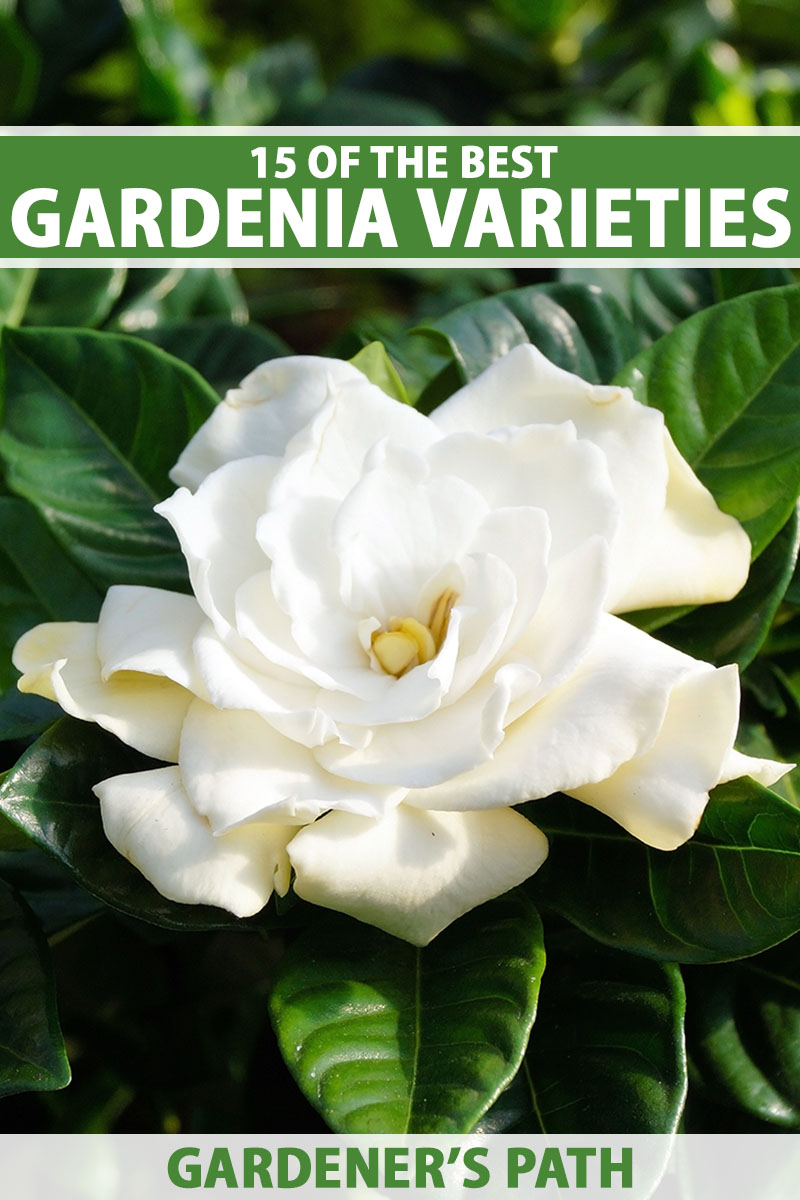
(731, 891)
(38, 582)
(223, 353)
(579, 328)
(23, 718)
(606, 1053)
(738, 281)
(64, 296)
(12, 839)
(57, 902)
(32, 1055)
(743, 1028)
(49, 796)
(736, 631)
(655, 298)
(726, 381)
(77, 441)
(386, 1038)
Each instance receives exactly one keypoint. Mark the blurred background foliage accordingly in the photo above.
(410, 62)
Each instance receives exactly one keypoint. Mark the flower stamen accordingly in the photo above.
(440, 616)
(407, 642)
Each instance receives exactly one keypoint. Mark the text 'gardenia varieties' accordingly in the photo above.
(401, 627)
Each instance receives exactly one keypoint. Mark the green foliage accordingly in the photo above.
(374, 362)
(726, 381)
(576, 326)
(380, 1036)
(743, 1034)
(32, 1055)
(730, 891)
(78, 447)
(631, 1077)
(386, 1038)
(48, 795)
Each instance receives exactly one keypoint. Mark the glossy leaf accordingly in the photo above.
(32, 1055)
(38, 582)
(578, 327)
(386, 1038)
(49, 796)
(731, 891)
(738, 281)
(726, 381)
(659, 298)
(78, 442)
(57, 902)
(607, 1051)
(743, 1029)
(12, 839)
(223, 353)
(23, 718)
(655, 298)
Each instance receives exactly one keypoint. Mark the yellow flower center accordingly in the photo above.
(407, 642)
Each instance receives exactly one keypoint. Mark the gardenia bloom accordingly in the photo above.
(402, 626)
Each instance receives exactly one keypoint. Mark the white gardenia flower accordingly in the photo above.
(402, 626)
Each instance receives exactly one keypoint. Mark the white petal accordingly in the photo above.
(521, 538)
(147, 817)
(543, 466)
(329, 455)
(608, 710)
(261, 620)
(674, 546)
(396, 529)
(659, 796)
(324, 462)
(695, 553)
(275, 400)
(451, 741)
(216, 528)
(236, 768)
(567, 618)
(150, 630)
(765, 771)
(290, 704)
(60, 662)
(523, 388)
(414, 872)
